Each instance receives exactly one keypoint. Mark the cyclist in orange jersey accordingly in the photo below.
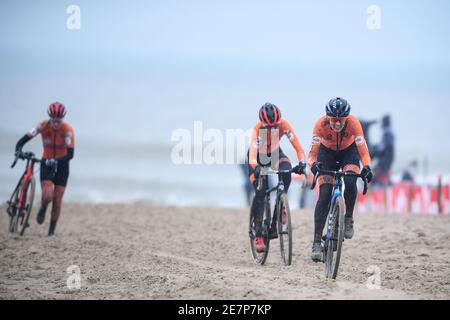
(338, 143)
(265, 151)
(59, 143)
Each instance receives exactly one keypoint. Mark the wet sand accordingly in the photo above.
(140, 251)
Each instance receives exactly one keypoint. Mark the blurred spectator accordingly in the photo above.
(366, 126)
(248, 189)
(305, 190)
(409, 171)
(384, 152)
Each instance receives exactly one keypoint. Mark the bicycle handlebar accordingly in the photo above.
(269, 171)
(24, 156)
(340, 174)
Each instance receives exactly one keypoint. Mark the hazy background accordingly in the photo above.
(137, 70)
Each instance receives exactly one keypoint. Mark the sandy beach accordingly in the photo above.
(140, 251)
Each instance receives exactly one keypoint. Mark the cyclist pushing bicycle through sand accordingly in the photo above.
(59, 144)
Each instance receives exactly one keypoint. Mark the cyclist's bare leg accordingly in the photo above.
(56, 208)
(47, 197)
(47, 192)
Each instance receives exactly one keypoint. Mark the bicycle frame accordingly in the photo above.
(29, 172)
(279, 188)
(25, 178)
(337, 189)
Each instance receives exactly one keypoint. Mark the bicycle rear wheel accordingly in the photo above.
(333, 244)
(284, 229)
(13, 210)
(260, 257)
(28, 205)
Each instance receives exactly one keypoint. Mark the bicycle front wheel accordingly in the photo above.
(13, 209)
(333, 244)
(285, 229)
(28, 205)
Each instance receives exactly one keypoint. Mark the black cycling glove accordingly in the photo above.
(300, 168)
(367, 172)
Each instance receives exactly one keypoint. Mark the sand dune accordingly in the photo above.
(140, 251)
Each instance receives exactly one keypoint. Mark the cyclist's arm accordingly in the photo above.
(70, 143)
(27, 137)
(361, 144)
(68, 156)
(294, 141)
(22, 142)
(315, 144)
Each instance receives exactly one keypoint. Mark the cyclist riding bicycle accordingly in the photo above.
(338, 143)
(59, 144)
(265, 151)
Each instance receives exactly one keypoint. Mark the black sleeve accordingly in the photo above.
(68, 156)
(22, 142)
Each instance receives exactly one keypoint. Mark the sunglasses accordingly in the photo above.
(268, 126)
(56, 120)
(337, 119)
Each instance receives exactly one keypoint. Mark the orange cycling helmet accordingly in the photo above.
(269, 114)
(56, 110)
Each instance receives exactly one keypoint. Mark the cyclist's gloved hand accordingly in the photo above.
(316, 167)
(367, 172)
(51, 163)
(300, 168)
(18, 153)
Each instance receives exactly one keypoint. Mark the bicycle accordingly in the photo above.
(21, 201)
(334, 237)
(277, 225)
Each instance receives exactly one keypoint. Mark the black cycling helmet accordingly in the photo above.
(269, 114)
(338, 107)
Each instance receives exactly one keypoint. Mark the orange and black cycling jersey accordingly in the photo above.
(266, 140)
(56, 142)
(352, 132)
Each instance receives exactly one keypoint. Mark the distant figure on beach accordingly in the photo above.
(305, 189)
(248, 189)
(409, 172)
(384, 152)
(366, 125)
(59, 144)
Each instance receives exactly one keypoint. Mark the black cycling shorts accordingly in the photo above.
(334, 160)
(61, 176)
